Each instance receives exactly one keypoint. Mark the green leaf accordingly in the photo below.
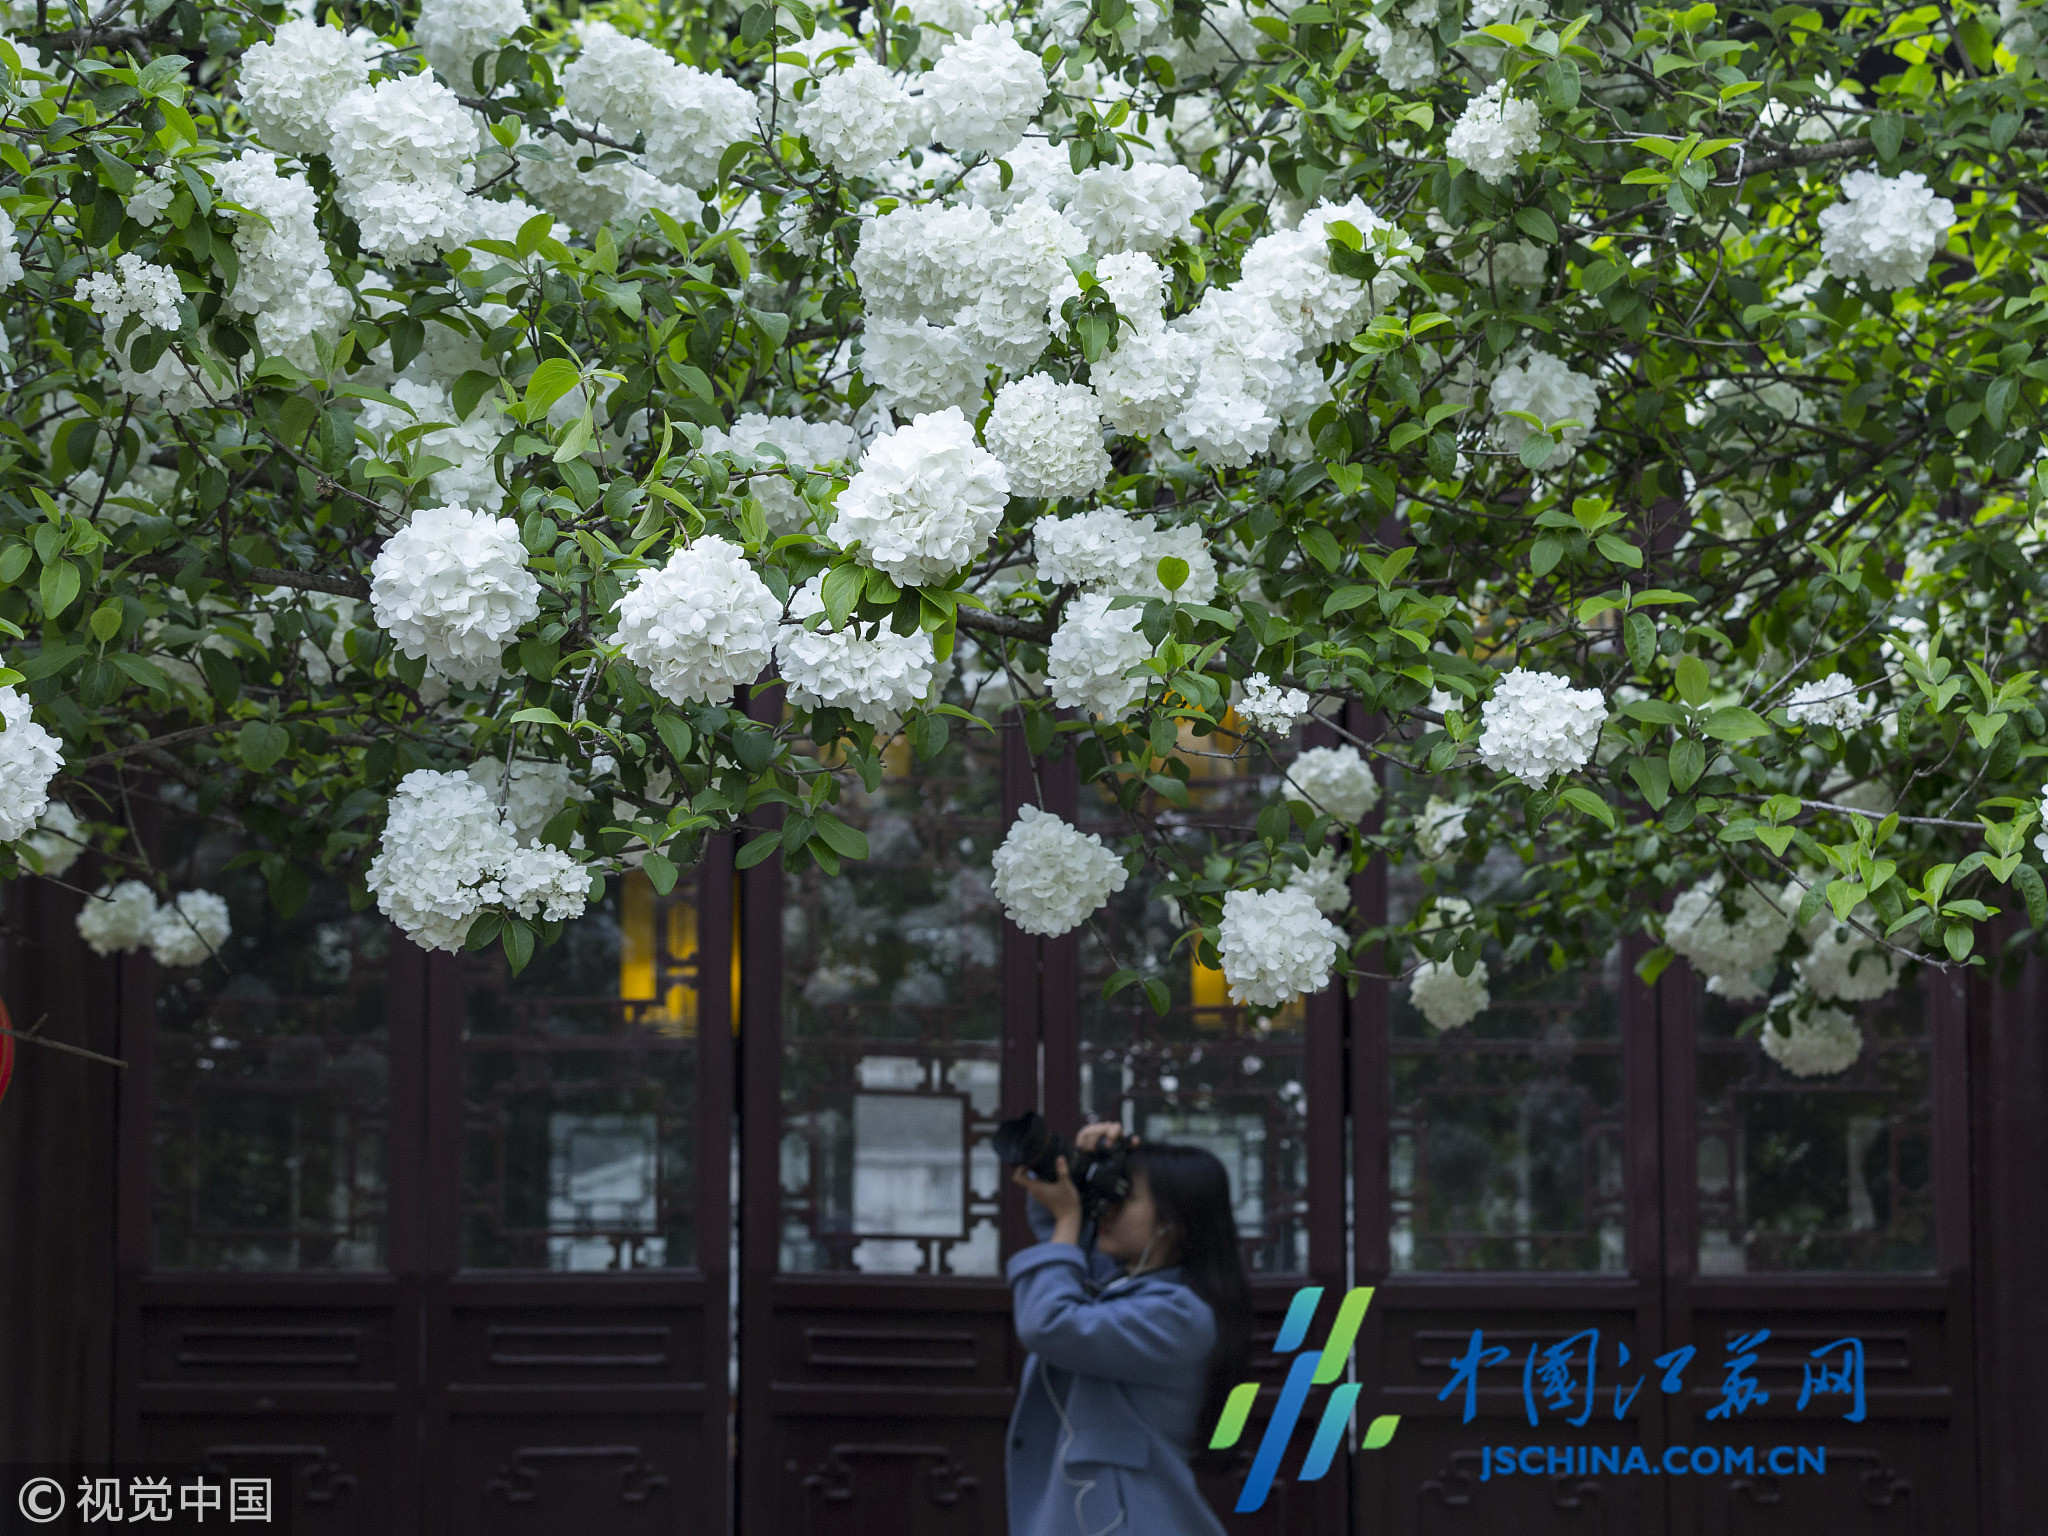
(759, 849)
(848, 842)
(471, 388)
(518, 939)
(1620, 551)
(1591, 804)
(261, 744)
(1640, 636)
(1534, 222)
(1654, 711)
(1653, 778)
(661, 871)
(1173, 572)
(1692, 680)
(1688, 762)
(1545, 553)
(1888, 135)
(753, 746)
(1732, 722)
(1653, 964)
(551, 380)
(1322, 546)
(675, 735)
(841, 591)
(59, 587)
(2028, 879)
(1536, 449)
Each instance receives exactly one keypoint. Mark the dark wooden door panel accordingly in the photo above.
(1907, 1466)
(347, 1460)
(1432, 1476)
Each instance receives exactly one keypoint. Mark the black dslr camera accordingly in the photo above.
(1102, 1176)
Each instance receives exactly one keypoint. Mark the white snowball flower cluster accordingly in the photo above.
(798, 443)
(537, 792)
(401, 152)
(925, 501)
(453, 33)
(1723, 950)
(142, 289)
(629, 87)
(1118, 554)
(189, 929)
(1536, 724)
(1441, 827)
(116, 918)
(949, 293)
(614, 191)
(1402, 47)
(1840, 964)
(1544, 387)
(470, 447)
(875, 678)
(701, 624)
(857, 119)
(983, 92)
(1048, 436)
(1090, 653)
(1268, 707)
(1337, 781)
(1143, 207)
(1824, 1042)
(10, 258)
(447, 855)
(1275, 946)
(1050, 876)
(1038, 169)
(59, 837)
(452, 586)
(1833, 701)
(283, 279)
(291, 85)
(1141, 385)
(1326, 881)
(1884, 230)
(29, 758)
(1445, 999)
(1256, 342)
(1493, 132)
(1290, 270)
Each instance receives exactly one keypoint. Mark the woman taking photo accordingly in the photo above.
(1134, 1340)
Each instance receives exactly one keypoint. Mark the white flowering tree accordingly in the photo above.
(429, 435)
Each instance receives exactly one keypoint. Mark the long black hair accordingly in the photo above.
(1191, 1193)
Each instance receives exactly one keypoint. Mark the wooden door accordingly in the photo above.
(577, 1265)
(1507, 1188)
(268, 1281)
(1591, 1153)
(447, 1248)
(885, 1015)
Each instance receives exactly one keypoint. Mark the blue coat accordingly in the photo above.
(1126, 1365)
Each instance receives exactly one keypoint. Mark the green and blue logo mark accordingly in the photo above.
(1311, 1368)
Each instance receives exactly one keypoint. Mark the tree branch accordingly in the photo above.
(260, 576)
(1002, 624)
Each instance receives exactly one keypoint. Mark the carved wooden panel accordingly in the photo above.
(338, 1465)
(567, 1473)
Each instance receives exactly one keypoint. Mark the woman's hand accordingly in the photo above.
(1101, 1133)
(1060, 1198)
